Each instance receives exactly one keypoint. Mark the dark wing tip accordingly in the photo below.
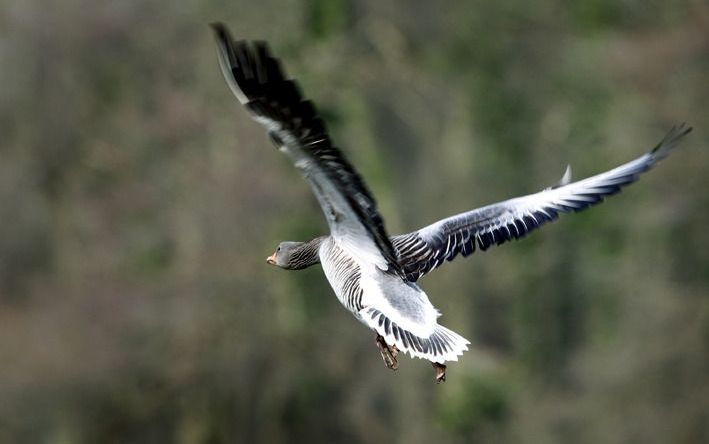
(222, 34)
(249, 69)
(670, 141)
(218, 27)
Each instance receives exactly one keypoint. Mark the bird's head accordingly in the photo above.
(294, 255)
(283, 254)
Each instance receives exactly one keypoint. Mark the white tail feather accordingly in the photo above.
(440, 346)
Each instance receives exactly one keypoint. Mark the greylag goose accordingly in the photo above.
(372, 274)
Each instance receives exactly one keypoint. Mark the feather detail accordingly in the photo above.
(422, 251)
(439, 346)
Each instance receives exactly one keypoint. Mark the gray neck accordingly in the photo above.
(306, 254)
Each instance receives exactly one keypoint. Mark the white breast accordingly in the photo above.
(362, 285)
(343, 273)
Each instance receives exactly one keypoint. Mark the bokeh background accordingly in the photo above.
(138, 202)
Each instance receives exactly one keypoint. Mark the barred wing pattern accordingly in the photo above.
(424, 250)
(258, 81)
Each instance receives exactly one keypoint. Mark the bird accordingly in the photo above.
(374, 275)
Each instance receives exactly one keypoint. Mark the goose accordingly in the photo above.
(375, 276)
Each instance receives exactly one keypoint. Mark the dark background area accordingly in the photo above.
(139, 201)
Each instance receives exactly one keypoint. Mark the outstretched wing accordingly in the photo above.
(258, 81)
(423, 250)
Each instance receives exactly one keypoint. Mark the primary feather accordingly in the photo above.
(426, 249)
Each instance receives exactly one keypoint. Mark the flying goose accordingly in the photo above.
(375, 275)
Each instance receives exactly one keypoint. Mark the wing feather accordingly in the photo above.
(422, 251)
(259, 83)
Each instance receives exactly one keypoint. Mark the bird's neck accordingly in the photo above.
(307, 254)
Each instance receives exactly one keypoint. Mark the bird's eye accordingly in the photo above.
(278, 249)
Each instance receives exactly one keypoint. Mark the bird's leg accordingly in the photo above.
(388, 352)
(440, 372)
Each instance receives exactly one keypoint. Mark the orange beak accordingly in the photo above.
(271, 259)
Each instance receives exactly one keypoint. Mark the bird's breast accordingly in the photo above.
(344, 274)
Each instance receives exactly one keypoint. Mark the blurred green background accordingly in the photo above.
(138, 203)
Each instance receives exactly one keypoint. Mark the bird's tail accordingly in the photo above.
(445, 345)
(439, 346)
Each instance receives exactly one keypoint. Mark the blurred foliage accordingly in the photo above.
(139, 202)
(326, 17)
(480, 402)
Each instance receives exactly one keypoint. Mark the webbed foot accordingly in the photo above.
(388, 352)
(440, 372)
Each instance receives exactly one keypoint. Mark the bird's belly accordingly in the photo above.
(360, 285)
